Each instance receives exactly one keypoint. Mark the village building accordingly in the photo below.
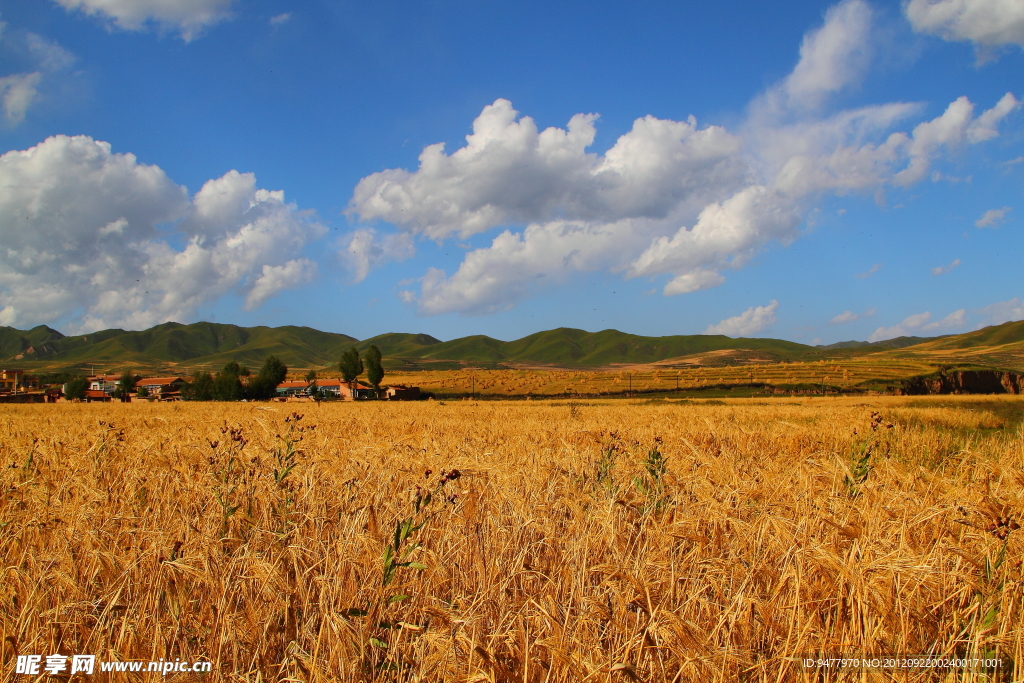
(17, 380)
(398, 392)
(357, 391)
(162, 388)
(293, 388)
(105, 383)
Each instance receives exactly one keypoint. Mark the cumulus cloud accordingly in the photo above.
(363, 250)
(921, 323)
(85, 239)
(986, 23)
(992, 218)
(850, 316)
(279, 19)
(274, 279)
(187, 17)
(497, 277)
(942, 270)
(750, 321)
(509, 172)
(670, 199)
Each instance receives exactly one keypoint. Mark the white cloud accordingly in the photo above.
(669, 199)
(17, 92)
(920, 322)
(188, 17)
(725, 235)
(986, 23)
(955, 320)
(850, 316)
(831, 57)
(277, 278)
(904, 329)
(992, 218)
(844, 317)
(953, 128)
(495, 278)
(942, 270)
(84, 238)
(1001, 312)
(748, 322)
(44, 58)
(510, 172)
(869, 272)
(279, 19)
(365, 251)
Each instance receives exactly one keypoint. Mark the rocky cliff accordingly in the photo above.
(964, 382)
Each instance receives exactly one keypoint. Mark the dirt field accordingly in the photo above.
(519, 541)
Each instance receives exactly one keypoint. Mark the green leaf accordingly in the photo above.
(355, 612)
(415, 565)
(376, 642)
(398, 598)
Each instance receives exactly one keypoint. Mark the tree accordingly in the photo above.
(311, 376)
(76, 388)
(374, 369)
(350, 366)
(143, 392)
(226, 387)
(200, 388)
(233, 368)
(264, 386)
(274, 369)
(124, 386)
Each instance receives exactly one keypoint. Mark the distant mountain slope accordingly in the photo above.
(205, 343)
(399, 345)
(571, 347)
(896, 343)
(996, 335)
(14, 342)
(213, 344)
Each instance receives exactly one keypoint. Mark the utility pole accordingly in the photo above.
(472, 392)
(631, 384)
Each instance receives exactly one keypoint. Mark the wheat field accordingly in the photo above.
(523, 541)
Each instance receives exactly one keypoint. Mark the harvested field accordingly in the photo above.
(523, 541)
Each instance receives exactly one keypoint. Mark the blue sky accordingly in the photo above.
(810, 171)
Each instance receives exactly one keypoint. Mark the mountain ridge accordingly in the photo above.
(212, 344)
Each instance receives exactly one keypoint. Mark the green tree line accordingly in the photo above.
(227, 385)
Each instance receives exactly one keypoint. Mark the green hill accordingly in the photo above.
(996, 335)
(895, 343)
(199, 343)
(571, 347)
(213, 344)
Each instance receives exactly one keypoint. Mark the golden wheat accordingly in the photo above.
(540, 541)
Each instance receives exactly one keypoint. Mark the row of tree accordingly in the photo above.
(227, 385)
(351, 366)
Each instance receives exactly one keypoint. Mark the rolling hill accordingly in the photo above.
(177, 347)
